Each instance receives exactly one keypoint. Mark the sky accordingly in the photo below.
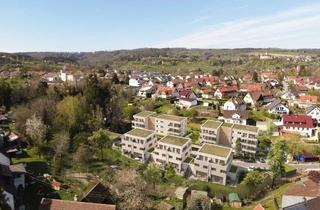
(94, 25)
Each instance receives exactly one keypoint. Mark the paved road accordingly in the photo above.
(302, 166)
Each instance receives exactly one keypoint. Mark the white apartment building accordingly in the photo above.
(137, 142)
(216, 132)
(248, 136)
(172, 149)
(143, 120)
(170, 125)
(212, 163)
(209, 131)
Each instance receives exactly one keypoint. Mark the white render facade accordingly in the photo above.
(248, 136)
(172, 150)
(142, 120)
(215, 132)
(212, 163)
(137, 142)
(170, 125)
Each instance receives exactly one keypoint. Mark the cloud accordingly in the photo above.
(294, 28)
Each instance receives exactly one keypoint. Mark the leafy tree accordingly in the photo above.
(100, 140)
(153, 174)
(95, 119)
(238, 147)
(36, 130)
(95, 92)
(169, 172)
(60, 144)
(277, 158)
(3, 201)
(82, 156)
(115, 79)
(69, 113)
(253, 179)
(255, 76)
(129, 188)
(5, 93)
(295, 146)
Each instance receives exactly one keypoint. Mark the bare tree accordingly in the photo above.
(129, 188)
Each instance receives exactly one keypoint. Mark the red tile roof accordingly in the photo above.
(55, 204)
(258, 207)
(305, 99)
(252, 87)
(228, 89)
(305, 187)
(303, 121)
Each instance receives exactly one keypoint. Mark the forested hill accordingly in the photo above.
(173, 59)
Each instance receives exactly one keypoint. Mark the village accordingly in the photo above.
(213, 128)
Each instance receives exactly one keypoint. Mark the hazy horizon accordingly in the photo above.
(83, 26)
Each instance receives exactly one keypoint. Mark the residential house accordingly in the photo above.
(314, 112)
(312, 204)
(207, 93)
(12, 181)
(55, 204)
(170, 125)
(306, 101)
(299, 90)
(212, 163)
(146, 90)
(252, 87)
(277, 107)
(258, 98)
(299, 124)
(235, 116)
(304, 190)
(234, 104)
(172, 150)
(226, 91)
(137, 142)
(187, 98)
(165, 92)
(135, 82)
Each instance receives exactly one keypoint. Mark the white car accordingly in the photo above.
(252, 168)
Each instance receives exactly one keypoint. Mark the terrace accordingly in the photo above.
(139, 132)
(215, 150)
(175, 140)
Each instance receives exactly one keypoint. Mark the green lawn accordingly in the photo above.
(164, 108)
(35, 164)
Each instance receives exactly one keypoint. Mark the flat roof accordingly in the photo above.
(246, 127)
(212, 124)
(171, 117)
(140, 132)
(215, 150)
(144, 114)
(175, 140)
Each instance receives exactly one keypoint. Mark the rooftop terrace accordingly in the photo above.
(144, 114)
(215, 150)
(171, 117)
(175, 140)
(212, 124)
(140, 132)
(246, 127)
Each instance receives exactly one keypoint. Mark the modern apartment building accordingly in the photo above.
(143, 120)
(212, 163)
(209, 131)
(172, 149)
(137, 142)
(248, 136)
(170, 125)
(226, 134)
(163, 124)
